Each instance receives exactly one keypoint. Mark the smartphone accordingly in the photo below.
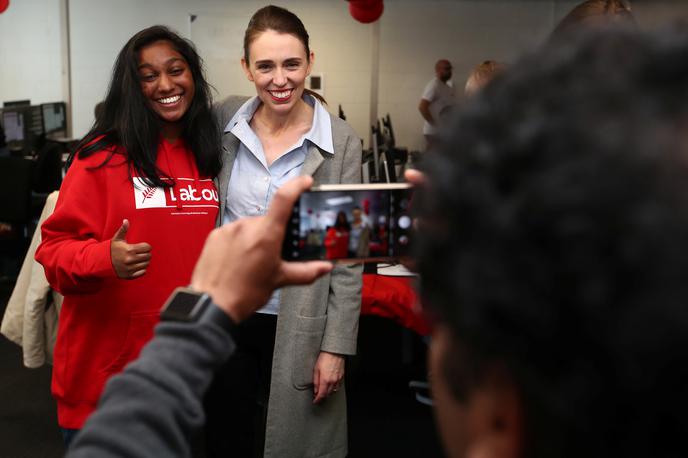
(366, 222)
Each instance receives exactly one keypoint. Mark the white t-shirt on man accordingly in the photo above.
(440, 95)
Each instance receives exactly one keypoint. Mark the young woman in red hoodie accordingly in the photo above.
(133, 212)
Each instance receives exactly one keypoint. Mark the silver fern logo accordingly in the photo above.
(148, 193)
(148, 196)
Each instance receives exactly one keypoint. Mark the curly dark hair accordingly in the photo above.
(127, 121)
(595, 13)
(555, 242)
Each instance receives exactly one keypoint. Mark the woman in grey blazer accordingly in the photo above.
(283, 393)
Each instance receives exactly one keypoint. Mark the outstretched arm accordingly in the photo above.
(152, 408)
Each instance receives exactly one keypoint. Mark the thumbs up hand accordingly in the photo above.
(129, 260)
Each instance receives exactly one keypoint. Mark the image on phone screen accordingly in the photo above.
(351, 222)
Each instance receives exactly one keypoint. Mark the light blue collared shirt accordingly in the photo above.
(252, 182)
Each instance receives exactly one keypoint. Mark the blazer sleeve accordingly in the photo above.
(74, 251)
(346, 281)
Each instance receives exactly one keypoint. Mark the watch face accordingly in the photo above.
(183, 306)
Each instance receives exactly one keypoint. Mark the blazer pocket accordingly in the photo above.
(139, 332)
(305, 349)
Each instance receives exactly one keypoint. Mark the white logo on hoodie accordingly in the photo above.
(148, 196)
(188, 192)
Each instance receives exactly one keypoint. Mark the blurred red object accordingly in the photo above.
(4, 4)
(393, 298)
(366, 11)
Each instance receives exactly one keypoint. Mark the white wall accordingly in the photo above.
(413, 35)
(99, 30)
(31, 51)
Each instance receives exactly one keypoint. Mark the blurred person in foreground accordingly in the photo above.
(553, 231)
(595, 13)
(553, 254)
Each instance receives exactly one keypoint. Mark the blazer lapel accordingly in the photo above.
(230, 144)
(313, 160)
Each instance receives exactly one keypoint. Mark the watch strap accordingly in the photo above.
(214, 314)
(189, 306)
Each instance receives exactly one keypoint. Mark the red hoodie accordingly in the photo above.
(104, 320)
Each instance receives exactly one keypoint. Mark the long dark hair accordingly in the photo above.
(341, 222)
(281, 20)
(127, 125)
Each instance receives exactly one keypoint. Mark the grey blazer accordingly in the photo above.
(314, 318)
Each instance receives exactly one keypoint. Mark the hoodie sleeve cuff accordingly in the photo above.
(100, 260)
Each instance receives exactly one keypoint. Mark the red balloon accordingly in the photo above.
(366, 11)
(4, 4)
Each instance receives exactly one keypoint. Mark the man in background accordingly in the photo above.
(437, 97)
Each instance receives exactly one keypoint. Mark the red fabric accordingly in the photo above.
(104, 320)
(336, 243)
(393, 298)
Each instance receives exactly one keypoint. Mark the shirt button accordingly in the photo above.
(258, 208)
(267, 178)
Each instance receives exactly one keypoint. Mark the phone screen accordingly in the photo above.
(371, 222)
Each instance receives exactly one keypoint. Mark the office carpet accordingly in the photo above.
(384, 417)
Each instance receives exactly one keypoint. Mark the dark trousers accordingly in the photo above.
(236, 404)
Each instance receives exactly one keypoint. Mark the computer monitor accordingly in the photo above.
(16, 103)
(54, 118)
(23, 128)
(13, 124)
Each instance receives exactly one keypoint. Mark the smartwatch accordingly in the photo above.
(190, 306)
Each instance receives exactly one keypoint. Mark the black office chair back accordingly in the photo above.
(16, 180)
(48, 172)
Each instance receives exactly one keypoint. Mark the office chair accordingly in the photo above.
(48, 169)
(16, 180)
(47, 176)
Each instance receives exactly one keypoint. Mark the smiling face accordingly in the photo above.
(278, 66)
(167, 84)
